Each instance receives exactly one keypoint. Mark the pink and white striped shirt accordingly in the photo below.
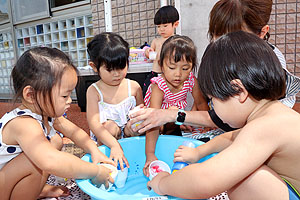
(170, 99)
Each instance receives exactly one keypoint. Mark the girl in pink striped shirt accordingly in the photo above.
(178, 58)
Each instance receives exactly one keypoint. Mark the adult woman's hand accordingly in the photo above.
(151, 118)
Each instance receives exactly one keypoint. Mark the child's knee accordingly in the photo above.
(113, 128)
(15, 177)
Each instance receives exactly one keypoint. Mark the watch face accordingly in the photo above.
(181, 117)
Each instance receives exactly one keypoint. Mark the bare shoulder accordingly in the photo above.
(157, 43)
(92, 92)
(154, 41)
(19, 123)
(23, 126)
(134, 84)
(278, 124)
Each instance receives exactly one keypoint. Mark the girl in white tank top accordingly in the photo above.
(111, 98)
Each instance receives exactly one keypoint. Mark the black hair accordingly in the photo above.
(243, 56)
(41, 68)
(179, 47)
(109, 50)
(166, 14)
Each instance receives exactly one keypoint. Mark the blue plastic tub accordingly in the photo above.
(136, 185)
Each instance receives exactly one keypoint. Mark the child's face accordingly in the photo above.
(166, 30)
(114, 77)
(61, 94)
(230, 111)
(176, 73)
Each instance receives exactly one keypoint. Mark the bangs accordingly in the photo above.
(117, 61)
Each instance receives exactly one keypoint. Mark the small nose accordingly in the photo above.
(116, 73)
(178, 72)
(69, 101)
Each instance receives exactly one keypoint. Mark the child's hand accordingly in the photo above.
(98, 157)
(150, 158)
(147, 51)
(186, 154)
(103, 177)
(154, 183)
(117, 155)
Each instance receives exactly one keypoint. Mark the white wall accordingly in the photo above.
(194, 16)
(194, 19)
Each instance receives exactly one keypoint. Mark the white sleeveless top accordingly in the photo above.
(116, 112)
(9, 152)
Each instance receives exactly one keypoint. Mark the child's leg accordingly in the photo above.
(23, 179)
(263, 184)
(113, 128)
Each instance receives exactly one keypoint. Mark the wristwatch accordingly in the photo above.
(180, 117)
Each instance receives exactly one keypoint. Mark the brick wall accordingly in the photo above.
(285, 32)
(132, 19)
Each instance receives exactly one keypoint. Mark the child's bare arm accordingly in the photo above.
(248, 151)
(152, 135)
(44, 155)
(136, 88)
(81, 139)
(152, 48)
(200, 102)
(93, 118)
(193, 155)
(102, 134)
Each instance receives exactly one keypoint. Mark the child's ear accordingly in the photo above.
(176, 24)
(29, 94)
(92, 64)
(243, 93)
(264, 31)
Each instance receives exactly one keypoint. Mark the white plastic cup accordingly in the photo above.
(135, 109)
(113, 174)
(162, 166)
(152, 55)
(121, 177)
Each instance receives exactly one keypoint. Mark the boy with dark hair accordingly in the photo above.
(166, 19)
(244, 78)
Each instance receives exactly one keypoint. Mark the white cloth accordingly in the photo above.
(115, 112)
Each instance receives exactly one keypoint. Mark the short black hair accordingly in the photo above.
(166, 14)
(244, 56)
(110, 50)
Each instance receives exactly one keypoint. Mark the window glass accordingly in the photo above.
(3, 11)
(56, 3)
(23, 10)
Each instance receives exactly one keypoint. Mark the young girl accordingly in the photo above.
(43, 79)
(111, 98)
(177, 60)
(244, 79)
